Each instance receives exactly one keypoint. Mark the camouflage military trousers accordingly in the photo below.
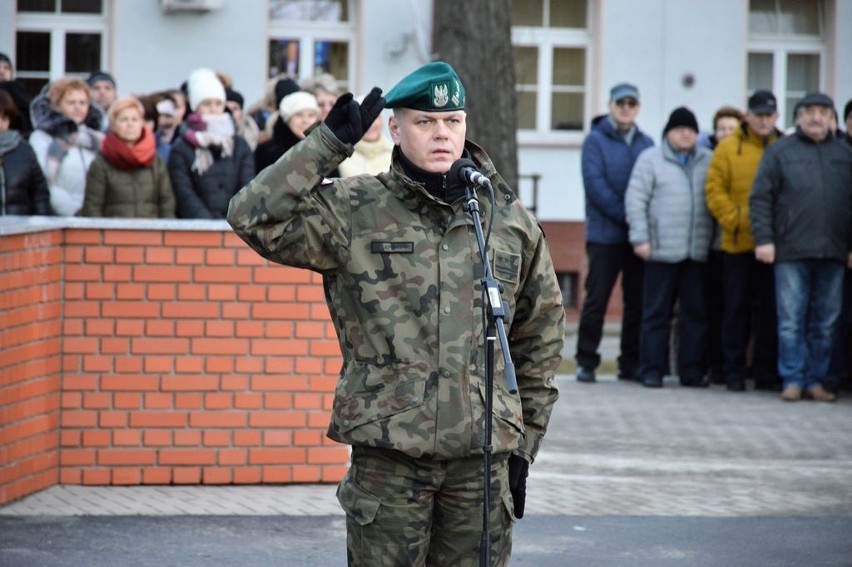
(402, 511)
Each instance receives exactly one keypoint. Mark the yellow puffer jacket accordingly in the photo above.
(729, 178)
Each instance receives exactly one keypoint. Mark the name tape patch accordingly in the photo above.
(383, 247)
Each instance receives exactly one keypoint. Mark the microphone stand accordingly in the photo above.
(496, 311)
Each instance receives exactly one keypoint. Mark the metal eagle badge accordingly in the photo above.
(440, 95)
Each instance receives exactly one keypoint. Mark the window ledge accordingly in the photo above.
(528, 139)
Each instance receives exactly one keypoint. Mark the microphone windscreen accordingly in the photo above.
(456, 170)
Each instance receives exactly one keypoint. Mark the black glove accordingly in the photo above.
(519, 468)
(349, 120)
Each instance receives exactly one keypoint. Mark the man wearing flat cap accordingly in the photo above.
(801, 217)
(402, 277)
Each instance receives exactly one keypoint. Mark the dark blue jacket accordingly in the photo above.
(607, 161)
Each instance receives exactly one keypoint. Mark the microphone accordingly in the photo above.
(465, 171)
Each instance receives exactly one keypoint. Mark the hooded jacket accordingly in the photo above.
(729, 179)
(67, 184)
(607, 161)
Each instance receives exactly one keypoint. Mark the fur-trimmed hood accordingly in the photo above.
(51, 120)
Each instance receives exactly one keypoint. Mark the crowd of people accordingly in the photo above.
(731, 247)
(79, 149)
(742, 236)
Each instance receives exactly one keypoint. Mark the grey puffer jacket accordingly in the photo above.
(666, 207)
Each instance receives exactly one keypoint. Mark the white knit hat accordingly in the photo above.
(297, 102)
(203, 84)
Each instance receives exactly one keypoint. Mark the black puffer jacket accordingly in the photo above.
(269, 151)
(206, 196)
(23, 188)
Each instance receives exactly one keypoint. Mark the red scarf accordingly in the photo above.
(128, 157)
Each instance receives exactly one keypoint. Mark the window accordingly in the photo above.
(311, 37)
(551, 41)
(55, 38)
(61, 6)
(786, 50)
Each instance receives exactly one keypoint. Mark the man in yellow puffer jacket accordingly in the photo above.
(746, 281)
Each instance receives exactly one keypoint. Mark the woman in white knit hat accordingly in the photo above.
(297, 112)
(210, 162)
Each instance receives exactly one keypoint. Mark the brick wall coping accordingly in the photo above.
(28, 224)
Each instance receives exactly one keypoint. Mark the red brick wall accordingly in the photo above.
(30, 362)
(170, 356)
(185, 359)
(567, 243)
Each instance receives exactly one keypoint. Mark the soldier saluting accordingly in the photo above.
(401, 270)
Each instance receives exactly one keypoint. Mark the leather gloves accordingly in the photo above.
(349, 120)
(519, 468)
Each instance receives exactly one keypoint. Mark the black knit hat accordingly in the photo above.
(234, 96)
(283, 88)
(847, 110)
(681, 116)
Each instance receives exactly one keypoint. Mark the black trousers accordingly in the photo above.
(715, 311)
(665, 283)
(606, 262)
(749, 312)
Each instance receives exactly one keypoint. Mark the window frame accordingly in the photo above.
(58, 25)
(546, 41)
(780, 46)
(309, 33)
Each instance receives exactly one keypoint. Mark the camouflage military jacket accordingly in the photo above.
(402, 277)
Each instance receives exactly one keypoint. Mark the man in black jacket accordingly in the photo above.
(801, 216)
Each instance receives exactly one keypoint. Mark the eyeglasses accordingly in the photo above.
(628, 102)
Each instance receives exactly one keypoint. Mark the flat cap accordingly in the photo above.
(816, 99)
(99, 76)
(434, 87)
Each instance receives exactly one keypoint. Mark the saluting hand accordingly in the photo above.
(350, 120)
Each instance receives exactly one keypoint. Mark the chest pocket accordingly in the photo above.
(392, 265)
(506, 267)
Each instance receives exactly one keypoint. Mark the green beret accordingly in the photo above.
(434, 87)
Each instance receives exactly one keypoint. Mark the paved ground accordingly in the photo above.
(627, 476)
